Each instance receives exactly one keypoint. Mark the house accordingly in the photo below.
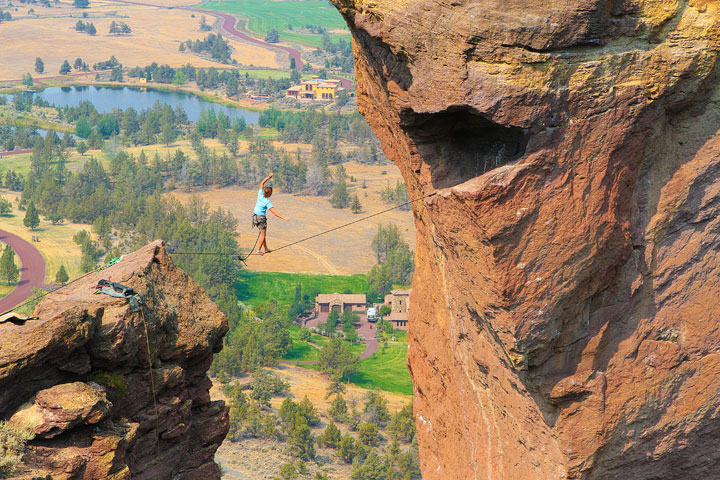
(399, 303)
(294, 91)
(340, 302)
(315, 89)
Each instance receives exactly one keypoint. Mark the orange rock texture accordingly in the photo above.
(80, 377)
(563, 320)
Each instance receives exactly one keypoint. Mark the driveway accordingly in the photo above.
(366, 329)
(32, 271)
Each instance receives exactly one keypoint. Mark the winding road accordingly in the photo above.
(32, 272)
(228, 25)
(14, 152)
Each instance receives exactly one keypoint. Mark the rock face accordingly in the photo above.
(80, 376)
(563, 320)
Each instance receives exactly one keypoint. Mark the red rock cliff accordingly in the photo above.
(80, 376)
(563, 320)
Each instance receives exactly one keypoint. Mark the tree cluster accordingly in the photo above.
(257, 339)
(395, 261)
(396, 196)
(18, 136)
(273, 36)
(107, 64)
(88, 27)
(213, 46)
(360, 451)
(119, 28)
(5, 16)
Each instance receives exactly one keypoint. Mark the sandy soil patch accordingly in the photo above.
(343, 252)
(52, 37)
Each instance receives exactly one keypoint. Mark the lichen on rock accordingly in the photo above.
(562, 324)
(80, 376)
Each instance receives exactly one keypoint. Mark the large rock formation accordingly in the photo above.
(563, 319)
(102, 408)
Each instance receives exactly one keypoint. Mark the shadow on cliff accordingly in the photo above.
(459, 144)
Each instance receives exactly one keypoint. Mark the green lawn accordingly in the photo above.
(263, 16)
(386, 371)
(255, 288)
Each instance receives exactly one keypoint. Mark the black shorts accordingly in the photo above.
(259, 221)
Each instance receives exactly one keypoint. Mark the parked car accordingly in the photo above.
(372, 315)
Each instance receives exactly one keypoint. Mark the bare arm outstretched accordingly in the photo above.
(277, 214)
(265, 180)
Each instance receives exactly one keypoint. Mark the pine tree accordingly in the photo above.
(355, 205)
(39, 65)
(65, 69)
(338, 408)
(5, 206)
(62, 276)
(27, 80)
(340, 197)
(8, 270)
(32, 217)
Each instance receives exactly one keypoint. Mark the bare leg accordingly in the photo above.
(263, 240)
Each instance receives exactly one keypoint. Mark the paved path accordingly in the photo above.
(228, 25)
(14, 152)
(366, 329)
(32, 272)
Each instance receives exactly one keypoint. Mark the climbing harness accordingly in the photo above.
(118, 290)
(242, 259)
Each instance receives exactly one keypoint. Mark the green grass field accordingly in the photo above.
(263, 16)
(255, 288)
(386, 371)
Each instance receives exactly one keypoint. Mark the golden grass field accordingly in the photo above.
(343, 252)
(55, 245)
(50, 35)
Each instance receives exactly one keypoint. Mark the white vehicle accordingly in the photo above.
(372, 315)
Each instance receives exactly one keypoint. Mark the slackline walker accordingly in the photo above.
(265, 200)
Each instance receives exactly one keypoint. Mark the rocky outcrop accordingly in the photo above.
(113, 393)
(563, 322)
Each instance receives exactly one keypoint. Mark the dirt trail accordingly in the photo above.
(32, 271)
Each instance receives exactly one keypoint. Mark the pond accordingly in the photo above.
(107, 98)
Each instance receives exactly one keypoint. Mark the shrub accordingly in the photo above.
(12, 444)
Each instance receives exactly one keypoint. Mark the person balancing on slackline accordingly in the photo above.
(259, 218)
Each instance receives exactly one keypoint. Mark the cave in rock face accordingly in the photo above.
(563, 322)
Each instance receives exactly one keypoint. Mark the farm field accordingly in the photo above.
(343, 252)
(263, 16)
(149, 41)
